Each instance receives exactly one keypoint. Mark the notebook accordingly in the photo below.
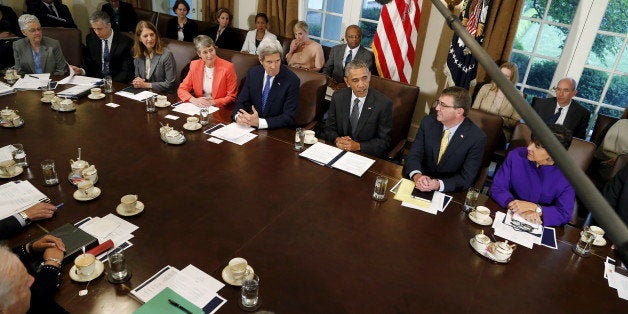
(74, 239)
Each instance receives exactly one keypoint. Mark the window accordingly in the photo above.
(558, 38)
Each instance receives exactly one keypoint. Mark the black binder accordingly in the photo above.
(74, 239)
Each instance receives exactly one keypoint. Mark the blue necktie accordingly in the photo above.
(348, 59)
(105, 59)
(354, 117)
(265, 93)
(38, 68)
(555, 117)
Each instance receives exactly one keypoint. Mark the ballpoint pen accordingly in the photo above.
(59, 206)
(175, 304)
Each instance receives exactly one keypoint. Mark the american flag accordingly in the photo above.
(395, 41)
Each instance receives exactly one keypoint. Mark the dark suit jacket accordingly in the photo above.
(577, 118)
(335, 64)
(163, 75)
(459, 165)
(374, 125)
(282, 101)
(228, 40)
(127, 19)
(46, 19)
(9, 227)
(121, 63)
(8, 22)
(616, 193)
(50, 56)
(190, 29)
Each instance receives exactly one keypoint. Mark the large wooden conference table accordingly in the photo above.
(312, 233)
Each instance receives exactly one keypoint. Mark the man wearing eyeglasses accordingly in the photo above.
(341, 55)
(563, 110)
(447, 152)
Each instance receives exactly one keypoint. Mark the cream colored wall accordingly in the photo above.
(244, 13)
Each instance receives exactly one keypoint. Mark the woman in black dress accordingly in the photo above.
(223, 34)
(180, 27)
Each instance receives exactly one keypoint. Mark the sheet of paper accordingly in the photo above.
(428, 209)
(245, 138)
(437, 200)
(191, 109)
(67, 79)
(41, 76)
(232, 132)
(30, 83)
(139, 96)
(353, 163)
(151, 287)
(18, 196)
(112, 105)
(171, 117)
(74, 91)
(84, 80)
(214, 140)
(200, 277)
(6, 89)
(404, 194)
(195, 286)
(507, 232)
(321, 153)
(110, 227)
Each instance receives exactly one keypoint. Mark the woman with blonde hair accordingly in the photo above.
(154, 64)
(305, 53)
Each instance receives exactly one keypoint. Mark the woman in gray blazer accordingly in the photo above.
(154, 64)
(36, 53)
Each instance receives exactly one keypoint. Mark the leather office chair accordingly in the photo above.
(311, 94)
(491, 124)
(243, 62)
(602, 124)
(71, 43)
(147, 15)
(162, 23)
(183, 53)
(404, 98)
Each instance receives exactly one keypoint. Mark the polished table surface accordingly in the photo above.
(312, 233)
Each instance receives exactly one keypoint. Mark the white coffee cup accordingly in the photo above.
(309, 136)
(599, 232)
(7, 167)
(482, 213)
(161, 100)
(192, 120)
(86, 187)
(67, 104)
(481, 241)
(237, 267)
(85, 264)
(129, 202)
(96, 91)
(502, 250)
(47, 95)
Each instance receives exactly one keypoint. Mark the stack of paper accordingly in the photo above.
(234, 133)
(617, 277)
(335, 157)
(191, 283)
(18, 196)
(5, 89)
(32, 81)
(135, 94)
(110, 227)
(191, 109)
(75, 91)
(436, 203)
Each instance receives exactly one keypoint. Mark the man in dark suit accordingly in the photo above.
(117, 62)
(341, 55)
(359, 117)
(270, 92)
(616, 193)
(11, 225)
(447, 151)
(563, 110)
(51, 13)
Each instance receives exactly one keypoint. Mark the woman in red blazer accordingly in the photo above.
(211, 80)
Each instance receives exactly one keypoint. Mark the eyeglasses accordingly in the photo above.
(32, 30)
(441, 104)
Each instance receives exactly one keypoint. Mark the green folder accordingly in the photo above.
(159, 304)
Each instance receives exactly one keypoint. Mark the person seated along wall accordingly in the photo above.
(530, 184)
(25, 289)
(305, 53)
(122, 15)
(563, 110)
(154, 64)
(254, 37)
(491, 99)
(615, 144)
(180, 27)
(9, 26)
(51, 13)
(212, 80)
(447, 151)
(270, 95)
(359, 117)
(108, 52)
(341, 55)
(616, 193)
(223, 34)
(36, 53)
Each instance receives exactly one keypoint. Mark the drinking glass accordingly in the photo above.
(108, 85)
(205, 116)
(584, 244)
(117, 266)
(299, 139)
(19, 155)
(250, 291)
(50, 174)
(379, 192)
(150, 104)
(472, 198)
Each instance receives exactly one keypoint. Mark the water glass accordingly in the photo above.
(150, 104)
(108, 85)
(379, 192)
(472, 199)
(19, 155)
(205, 116)
(299, 139)
(584, 244)
(50, 174)
(117, 266)
(250, 291)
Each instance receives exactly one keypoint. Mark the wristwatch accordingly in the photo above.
(538, 209)
(25, 217)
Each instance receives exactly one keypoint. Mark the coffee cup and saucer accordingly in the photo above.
(599, 236)
(8, 169)
(310, 137)
(86, 191)
(192, 124)
(481, 216)
(236, 271)
(96, 93)
(162, 101)
(129, 206)
(47, 96)
(86, 268)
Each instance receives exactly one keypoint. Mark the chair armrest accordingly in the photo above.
(394, 153)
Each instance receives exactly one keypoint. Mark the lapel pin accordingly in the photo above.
(461, 135)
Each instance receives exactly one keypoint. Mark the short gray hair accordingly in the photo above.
(26, 19)
(203, 41)
(100, 16)
(570, 80)
(267, 47)
(7, 274)
(354, 65)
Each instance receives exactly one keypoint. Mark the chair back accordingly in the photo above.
(183, 53)
(242, 63)
(521, 136)
(147, 15)
(602, 124)
(71, 43)
(491, 124)
(311, 94)
(162, 23)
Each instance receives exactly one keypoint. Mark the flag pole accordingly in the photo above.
(586, 191)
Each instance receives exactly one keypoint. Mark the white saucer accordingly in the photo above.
(100, 96)
(98, 269)
(486, 253)
(486, 222)
(139, 207)
(11, 125)
(226, 275)
(311, 142)
(46, 101)
(18, 170)
(166, 104)
(62, 110)
(600, 242)
(79, 196)
(175, 141)
(192, 126)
